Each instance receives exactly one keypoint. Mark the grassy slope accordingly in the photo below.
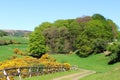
(7, 50)
(97, 63)
(110, 75)
(94, 62)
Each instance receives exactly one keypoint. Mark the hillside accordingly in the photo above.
(17, 32)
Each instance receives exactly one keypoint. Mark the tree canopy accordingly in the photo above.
(85, 35)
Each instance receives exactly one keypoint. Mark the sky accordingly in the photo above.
(27, 14)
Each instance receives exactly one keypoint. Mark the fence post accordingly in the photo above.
(5, 74)
(37, 71)
(19, 74)
(29, 71)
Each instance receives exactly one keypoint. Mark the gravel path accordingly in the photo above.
(76, 76)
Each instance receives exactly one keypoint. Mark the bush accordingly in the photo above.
(2, 42)
(16, 50)
(19, 52)
(114, 49)
(46, 61)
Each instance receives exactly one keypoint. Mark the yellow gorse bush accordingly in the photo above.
(46, 60)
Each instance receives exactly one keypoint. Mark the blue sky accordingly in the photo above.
(27, 14)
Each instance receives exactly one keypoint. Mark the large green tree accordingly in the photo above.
(85, 35)
(37, 42)
(95, 37)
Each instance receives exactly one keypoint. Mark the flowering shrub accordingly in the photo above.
(66, 66)
(46, 60)
(17, 51)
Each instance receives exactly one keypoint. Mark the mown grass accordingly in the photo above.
(51, 76)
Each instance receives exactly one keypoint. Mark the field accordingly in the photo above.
(6, 51)
(96, 63)
(18, 39)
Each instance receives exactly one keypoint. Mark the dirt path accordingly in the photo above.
(76, 76)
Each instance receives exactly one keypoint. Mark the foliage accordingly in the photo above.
(57, 39)
(46, 60)
(87, 35)
(37, 45)
(19, 52)
(98, 17)
(114, 54)
(2, 33)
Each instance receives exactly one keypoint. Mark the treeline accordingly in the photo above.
(84, 35)
(3, 33)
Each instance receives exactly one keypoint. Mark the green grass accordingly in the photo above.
(97, 63)
(94, 62)
(6, 51)
(110, 75)
(51, 76)
(18, 39)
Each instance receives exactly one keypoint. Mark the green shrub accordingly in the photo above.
(114, 49)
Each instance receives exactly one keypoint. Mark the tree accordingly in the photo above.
(61, 23)
(37, 45)
(94, 38)
(84, 45)
(114, 28)
(85, 35)
(57, 39)
(2, 33)
(98, 17)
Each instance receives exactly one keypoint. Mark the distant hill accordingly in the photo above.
(19, 33)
